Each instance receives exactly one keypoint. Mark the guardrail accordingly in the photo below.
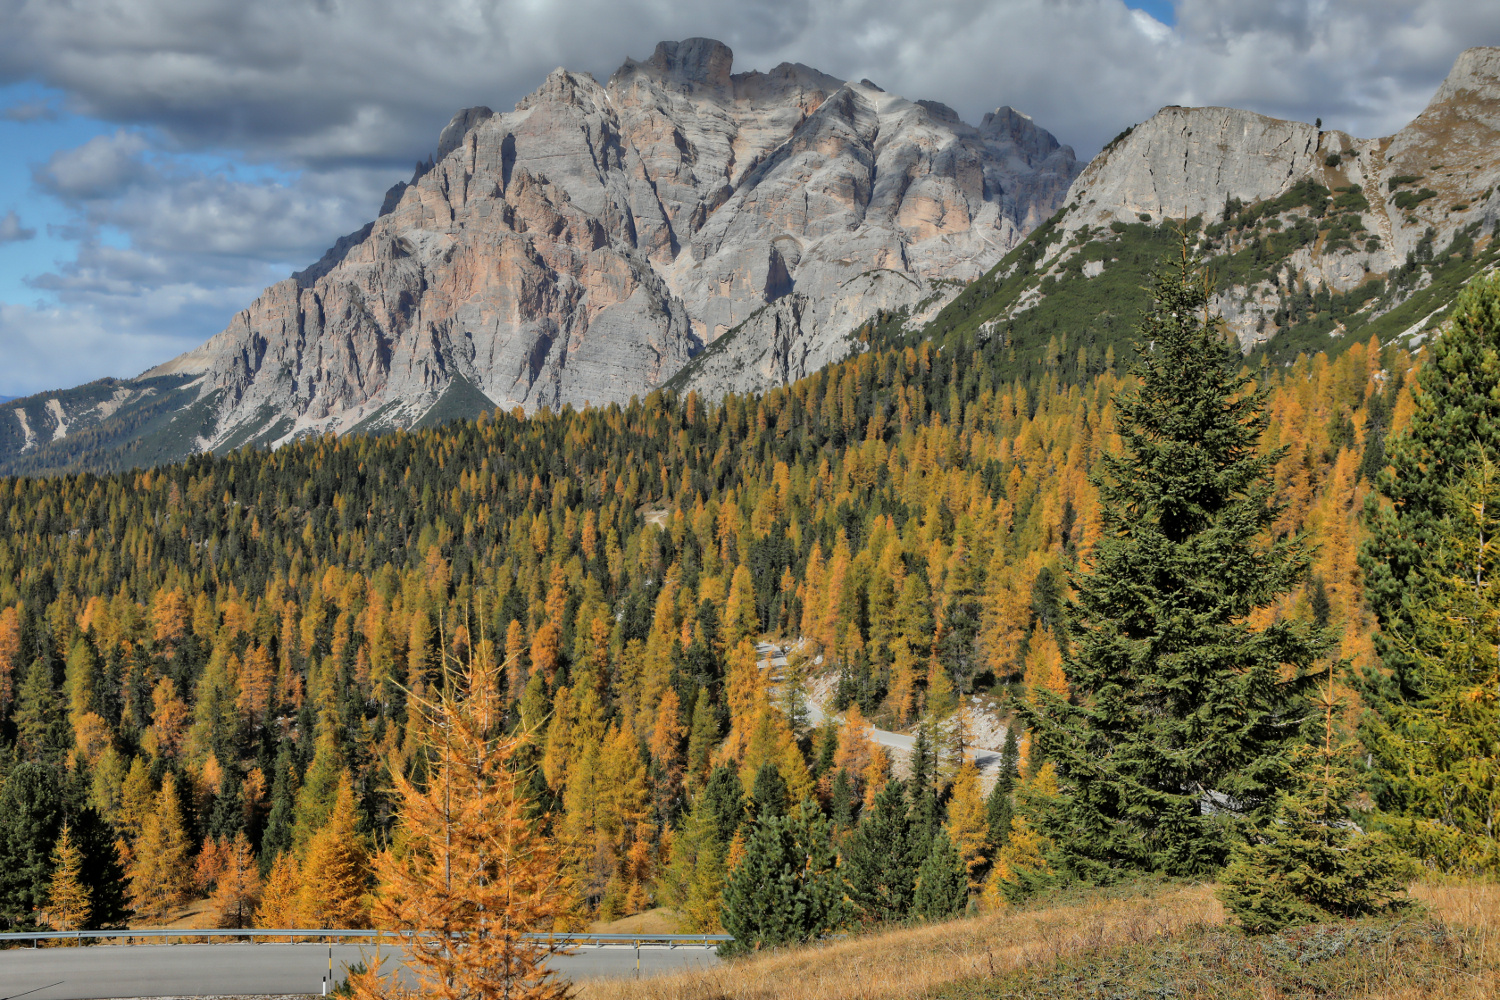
(144, 935)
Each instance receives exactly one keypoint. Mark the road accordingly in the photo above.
(196, 970)
(771, 657)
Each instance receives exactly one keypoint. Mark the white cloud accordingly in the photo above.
(103, 167)
(63, 347)
(373, 80)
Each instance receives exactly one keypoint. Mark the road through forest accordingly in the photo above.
(239, 969)
(772, 657)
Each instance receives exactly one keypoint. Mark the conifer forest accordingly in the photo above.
(1237, 619)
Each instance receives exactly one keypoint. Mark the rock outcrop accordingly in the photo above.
(585, 246)
(1437, 177)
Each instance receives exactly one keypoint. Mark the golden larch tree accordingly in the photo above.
(469, 867)
(279, 900)
(968, 822)
(69, 902)
(336, 873)
(238, 887)
(160, 875)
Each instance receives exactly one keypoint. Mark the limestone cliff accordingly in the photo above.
(1382, 201)
(584, 246)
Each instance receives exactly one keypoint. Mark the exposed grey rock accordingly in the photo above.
(1191, 162)
(585, 246)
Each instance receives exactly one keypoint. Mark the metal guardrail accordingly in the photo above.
(144, 935)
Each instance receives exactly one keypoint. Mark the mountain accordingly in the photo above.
(582, 249)
(685, 226)
(1318, 239)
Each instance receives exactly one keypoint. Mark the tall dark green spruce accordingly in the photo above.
(1182, 714)
(880, 857)
(942, 881)
(787, 888)
(1455, 427)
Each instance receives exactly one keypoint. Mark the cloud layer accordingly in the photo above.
(318, 105)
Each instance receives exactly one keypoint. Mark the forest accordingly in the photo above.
(213, 674)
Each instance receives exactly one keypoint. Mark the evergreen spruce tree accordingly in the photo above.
(1420, 549)
(880, 858)
(41, 722)
(1311, 863)
(769, 794)
(1438, 749)
(926, 811)
(999, 809)
(1182, 712)
(841, 801)
(102, 871)
(278, 833)
(942, 881)
(787, 889)
(1455, 425)
(30, 816)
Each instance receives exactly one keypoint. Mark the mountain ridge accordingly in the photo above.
(583, 247)
(1316, 238)
(718, 276)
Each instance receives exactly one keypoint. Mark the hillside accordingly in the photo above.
(253, 626)
(1316, 239)
(1139, 943)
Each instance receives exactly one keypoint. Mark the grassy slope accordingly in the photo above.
(1128, 943)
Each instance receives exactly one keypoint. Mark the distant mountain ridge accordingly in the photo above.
(1315, 238)
(724, 232)
(583, 248)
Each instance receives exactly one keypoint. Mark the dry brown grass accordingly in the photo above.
(919, 961)
(913, 962)
(658, 921)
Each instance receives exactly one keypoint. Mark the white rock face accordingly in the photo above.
(583, 247)
(1187, 162)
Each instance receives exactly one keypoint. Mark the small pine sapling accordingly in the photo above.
(1311, 862)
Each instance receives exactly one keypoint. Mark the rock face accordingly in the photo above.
(1187, 162)
(583, 247)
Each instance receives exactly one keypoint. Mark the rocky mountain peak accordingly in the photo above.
(587, 246)
(1476, 74)
(453, 133)
(690, 63)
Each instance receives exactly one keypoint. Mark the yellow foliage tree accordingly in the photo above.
(278, 907)
(335, 891)
(238, 888)
(968, 823)
(469, 867)
(69, 901)
(159, 873)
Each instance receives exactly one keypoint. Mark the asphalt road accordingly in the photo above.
(196, 970)
(773, 657)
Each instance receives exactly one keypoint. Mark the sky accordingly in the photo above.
(163, 161)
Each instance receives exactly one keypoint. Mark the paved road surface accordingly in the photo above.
(185, 970)
(773, 657)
